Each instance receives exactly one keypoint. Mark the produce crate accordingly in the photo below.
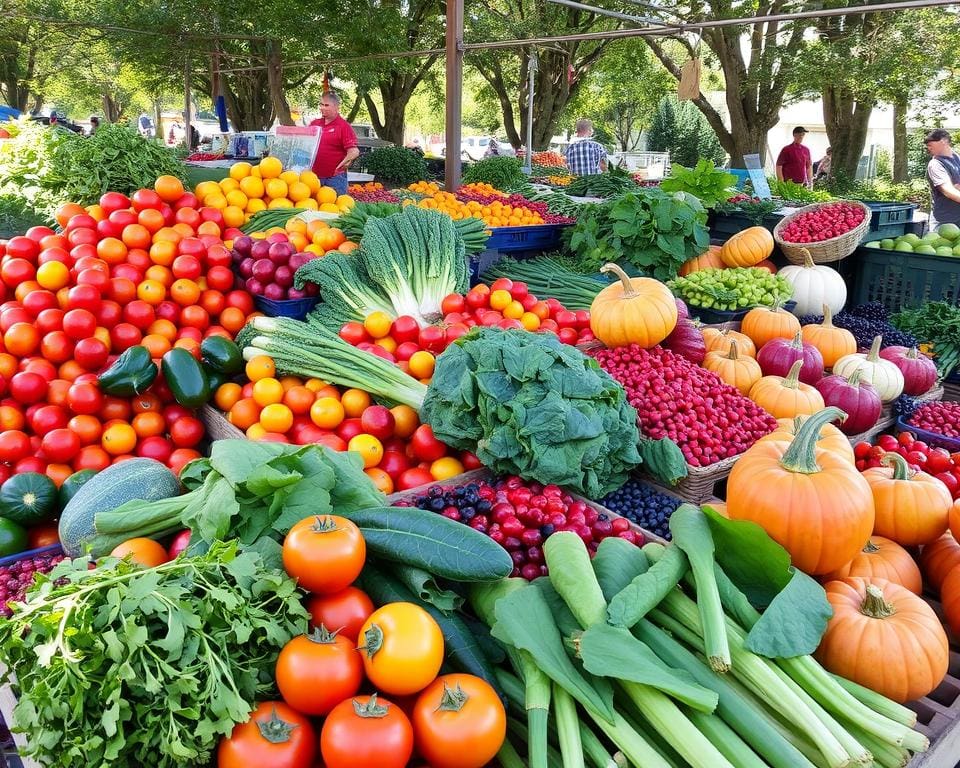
(899, 280)
(722, 317)
(934, 439)
(874, 432)
(722, 226)
(218, 428)
(295, 308)
(884, 214)
(537, 237)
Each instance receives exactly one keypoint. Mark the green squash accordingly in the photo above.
(13, 538)
(28, 498)
(73, 484)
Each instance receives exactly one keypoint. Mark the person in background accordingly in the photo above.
(194, 137)
(493, 149)
(94, 124)
(794, 162)
(822, 167)
(943, 174)
(584, 155)
(338, 145)
(145, 126)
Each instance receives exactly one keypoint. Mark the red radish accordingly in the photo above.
(687, 340)
(825, 223)
(942, 418)
(856, 398)
(777, 356)
(919, 371)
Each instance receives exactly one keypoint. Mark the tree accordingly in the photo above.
(755, 60)
(679, 128)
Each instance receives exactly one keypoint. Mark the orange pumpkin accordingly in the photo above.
(950, 598)
(954, 519)
(884, 637)
(830, 439)
(767, 265)
(881, 558)
(832, 342)
(739, 372)
(747, 247)
(812, 501)
(938, 559)
(709, 259)
(719, 341)
(763, 324)
(911, 507)
(785, 397)
(637, 310)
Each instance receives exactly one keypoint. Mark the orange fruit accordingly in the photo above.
(244, 413)
(240, 171)
(170, 188)
(267, 391)
(355, 402)
(276, 417)
(118, 438)
(326, 195)
(227, 395)
(143, 551)
(252, 187)
(270, 168)
(260, 367)
(327, 413)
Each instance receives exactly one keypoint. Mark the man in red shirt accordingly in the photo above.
(794, 162)
(338, 145)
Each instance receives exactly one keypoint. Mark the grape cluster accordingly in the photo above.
(865, 322)
(16, 578)
(644, 505)
(730, 289)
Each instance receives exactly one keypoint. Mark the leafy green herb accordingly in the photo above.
(938, 323)
(783, 630)
(396, 164)
(612, 183)
(503, 173)
(709, 184)
(754, 209)
(124, 666)
(797, 193)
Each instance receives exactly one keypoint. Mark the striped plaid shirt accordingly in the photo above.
(584, 156)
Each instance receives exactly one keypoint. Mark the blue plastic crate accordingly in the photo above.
(295, 308)
(537, 237)
(889, 213)
(52, 549)
(932, 439)
(897, 279)
(891, 231)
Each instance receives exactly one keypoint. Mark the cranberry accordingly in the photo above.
(512, 543)
(531, 537)
(535, 555)
(530, 571)
(518, 556)
(512, 526)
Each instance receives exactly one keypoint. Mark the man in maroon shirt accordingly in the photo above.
(338, 145)
(794, 162)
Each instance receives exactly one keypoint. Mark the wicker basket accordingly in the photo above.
(700, 483)
(826, 251)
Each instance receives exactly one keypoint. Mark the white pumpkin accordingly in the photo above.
(885, 377)
(813, 286)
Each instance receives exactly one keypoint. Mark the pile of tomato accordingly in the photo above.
(398, 451)
(941, 464)
(147, 270)
(396, 651)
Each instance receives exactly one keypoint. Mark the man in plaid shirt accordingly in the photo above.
(584, 155)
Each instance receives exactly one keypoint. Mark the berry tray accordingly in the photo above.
(930, 438)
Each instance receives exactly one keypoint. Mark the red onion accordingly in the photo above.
(682, 310)
(687, 341)
(777, 357)
(919, 371)
(859, 400)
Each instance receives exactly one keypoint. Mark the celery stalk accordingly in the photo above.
(726, 739)
(568, 729)
(878, 702)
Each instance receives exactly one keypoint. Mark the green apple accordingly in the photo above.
(926, 249)
(905, 247)
(944, 250)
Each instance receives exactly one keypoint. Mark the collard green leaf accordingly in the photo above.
(794, 622)
(663, 459)
(425, 586)
(616, 563)
(236, 460)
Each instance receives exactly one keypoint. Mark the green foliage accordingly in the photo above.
(17, 216)
(532, 406)
(709, 184)
(120, 663)
(651, 229)
(797, 193)
(914, 191)
(395, 164)
(612, 183)
(501, 172)
(679, 128)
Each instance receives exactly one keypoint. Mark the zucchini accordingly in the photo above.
(220, 354)
(432, 542)
(28, 498)
(186, 378)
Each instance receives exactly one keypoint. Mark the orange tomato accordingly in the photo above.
(112, 250)
(87, 428)
(259, 367)
(8, 365)
(185, 292)
(227, 396)
(244, 413)
(276, 417)
(299, 399)
(355, 402)
(170, 188)
(145, 552)
(267, 391)
(119, 438)
(369, 448)
(151, 291)
(156, 344)
(165, 328)
(382, 481)
(406, 421)
(58, 473)
(149, 424)
(422, 364)
(163, 252)
(233, 319)
(327, 413)
(147, 402)
(136, 236)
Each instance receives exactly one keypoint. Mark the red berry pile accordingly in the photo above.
(519, 515)
(934, 461)
(824, 223)
(942, 418)
(674, 398)
(16, 578)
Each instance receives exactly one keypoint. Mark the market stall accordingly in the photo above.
(376, 472)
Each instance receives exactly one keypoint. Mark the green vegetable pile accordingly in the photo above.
(558, 203)
(938, 323)
(532, 406)
(792, 192)
(548, 276)
(709, 184)
(754, 209)
(503, 173)
(405, 265)
(124, 666)
(17, 216)
(353, 223)
(613, 183)
(730, 289)
(653, 230)
(50, 166)
(396, 164)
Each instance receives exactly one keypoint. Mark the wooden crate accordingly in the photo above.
(218, 428)
(701, 483)
(871, 434)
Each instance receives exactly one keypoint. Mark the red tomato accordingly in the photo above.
(91, 353)
(28, 387)
(30, 464)
(433, 338)
(218, 256)
(470, 461)
(43, 535)
(84, 398)
(425, 446)
(292, 742)
(91, 457)
(349, 429)
(48, 418)
(36, 302)
(21, 247)
(123, 336)
(241, 300)
(155, 447)
(168, 310)
(186, 267)
(38, 233)
(377, 420)
(110, 314)
(413, 478)
(453, 302)
(61, 445)
(186, 432)
(354, 333)
(50, 320)
(381, 739)
(180, 458)
(79, 324)
(14, 445)
(15, 271)
(113, 201)
(404, 328)
(394, 463)
(139, 313)
(146, 198)
(316, 672)
(344, 611)
(220, 278)
(84, 297)
(57, 347)
(333, 442)
(13, 315)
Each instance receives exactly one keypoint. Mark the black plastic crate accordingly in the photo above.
(885, 213)
(897, 279)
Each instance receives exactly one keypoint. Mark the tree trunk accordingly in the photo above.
(900, 165)
(157, 118)
(396, 92)
(846, 120)
(354, 110)
(248, 101)
(278, 99)
(112, 109)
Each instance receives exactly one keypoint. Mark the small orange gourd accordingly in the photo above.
(938, 559)
(831, 438)
(739, 372)
(709, 259)
(633, 310)
(882, 558)
(763, 324)
(785, 397)
(833, 342)
(911, 507)
(812, 501)
(719, 341)
(950, 598)
(884, 637)
(747, 247)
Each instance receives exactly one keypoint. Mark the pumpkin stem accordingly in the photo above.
(875, 605)
(628, 289)
(733, 350)
(807, 259)
(874, 354)
(797, 342)
(827, 317)
(792, 379)
(870, 548)
(854, 378)
(901, 470)
(801, 455)
(797, 423)
(912, 353)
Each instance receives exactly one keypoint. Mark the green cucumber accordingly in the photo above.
(432, 542)
(28, 498)
(186, 378)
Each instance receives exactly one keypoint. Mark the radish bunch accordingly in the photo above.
(824, 223)
(942, 418)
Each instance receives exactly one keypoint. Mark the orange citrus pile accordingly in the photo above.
(370, 186)
(424, 187)
(311, 237)
(496, 214)
(482, 188)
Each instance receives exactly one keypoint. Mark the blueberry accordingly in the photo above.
(437, 504)
(546, 530)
